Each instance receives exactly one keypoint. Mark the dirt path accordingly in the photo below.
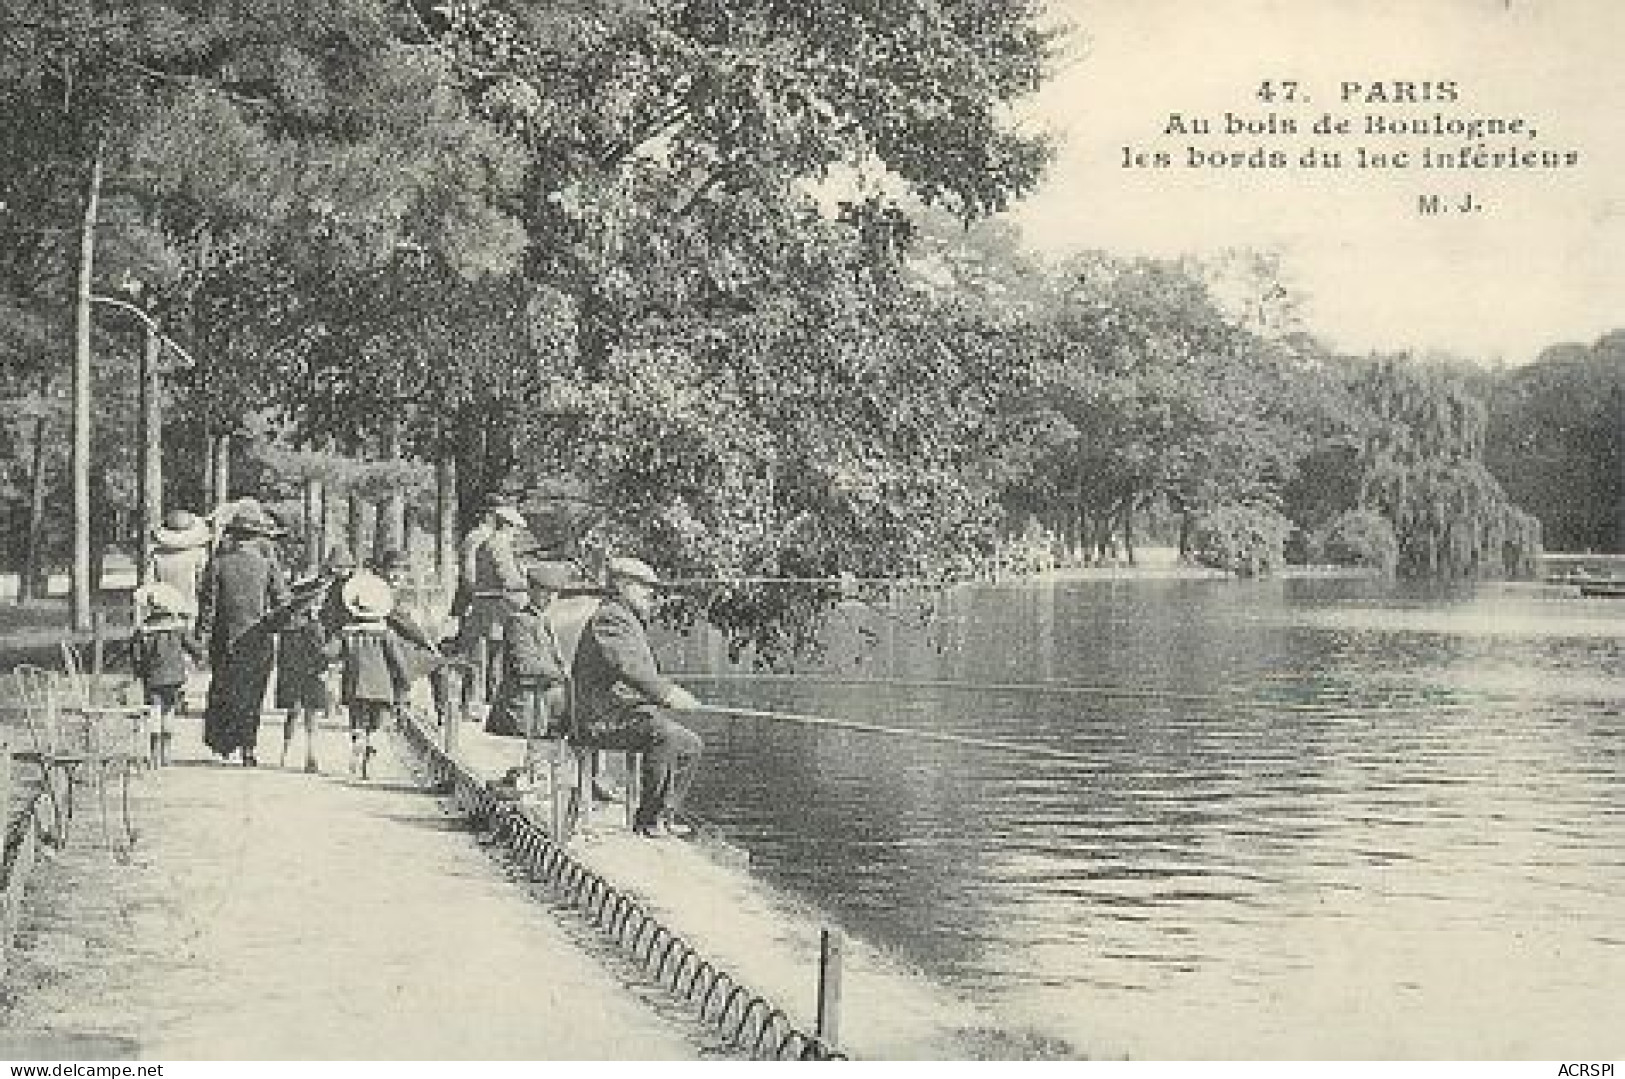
(268, 914)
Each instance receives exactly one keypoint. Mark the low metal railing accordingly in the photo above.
(745, 1017)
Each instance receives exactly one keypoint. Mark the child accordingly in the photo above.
(302, 659)
(374, 673)
(158, 655)
(301, 681)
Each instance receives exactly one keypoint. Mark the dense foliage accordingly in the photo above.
(719, 282)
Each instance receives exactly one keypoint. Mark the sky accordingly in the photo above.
(1543, 260)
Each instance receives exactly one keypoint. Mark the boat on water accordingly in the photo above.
(1605, 589)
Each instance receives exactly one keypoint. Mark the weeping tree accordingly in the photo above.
(1420, 465)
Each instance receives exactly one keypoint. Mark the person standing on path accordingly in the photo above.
(158, 651)
(498, 590)
(531, 700)
(180, 549)
(302, 660)
(623, 702)
(241, 585)
(374, 669)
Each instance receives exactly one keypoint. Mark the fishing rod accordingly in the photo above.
(803, 720)
(1056, 688)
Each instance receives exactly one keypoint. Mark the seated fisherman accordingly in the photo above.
(623, 702)
(530, 698)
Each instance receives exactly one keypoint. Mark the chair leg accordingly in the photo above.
(124, 800)
(67, 804)
(51, 777)
(633, 791)
(581, 793)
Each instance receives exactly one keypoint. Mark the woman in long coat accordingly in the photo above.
(241, 585)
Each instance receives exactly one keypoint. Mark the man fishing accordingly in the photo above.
(623, 702)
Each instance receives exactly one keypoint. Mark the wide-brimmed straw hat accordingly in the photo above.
(623, 568)
(181, 531)
(368, 597)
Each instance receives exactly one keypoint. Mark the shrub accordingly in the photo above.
(1240, 538)
(1359, 537)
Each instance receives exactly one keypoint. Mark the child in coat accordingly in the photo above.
(158, 652)
(302, 659)
(374, 676)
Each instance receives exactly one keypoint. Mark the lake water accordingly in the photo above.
(1316, 818)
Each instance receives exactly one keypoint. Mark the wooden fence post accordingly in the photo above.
(830, 947)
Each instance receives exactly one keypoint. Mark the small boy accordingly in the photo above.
(302, 660)
(374, 672)
(158, 654)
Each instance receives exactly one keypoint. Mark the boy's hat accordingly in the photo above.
(511, 515)
(368, 597)
(181, 531)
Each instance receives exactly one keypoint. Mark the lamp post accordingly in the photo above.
(150, 454)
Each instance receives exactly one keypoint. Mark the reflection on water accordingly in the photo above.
(1318, 818)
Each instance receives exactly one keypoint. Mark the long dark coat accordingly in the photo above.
(241, 585)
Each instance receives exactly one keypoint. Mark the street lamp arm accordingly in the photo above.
(148, 321)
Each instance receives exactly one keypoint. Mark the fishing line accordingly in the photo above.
(801, 719)
(1057, 688)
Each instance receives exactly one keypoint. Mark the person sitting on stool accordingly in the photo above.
(623, 702)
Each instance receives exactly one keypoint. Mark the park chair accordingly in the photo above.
(78, 744)
(37, 698)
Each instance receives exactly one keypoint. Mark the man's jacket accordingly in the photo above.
(614, 670)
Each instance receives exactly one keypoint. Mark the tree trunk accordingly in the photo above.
(151, 473)
(391, 522)
(32, 581)
(1127, 519)
(445, 531)
(79, 585)
(220, 471)
(1128, 536)
(357, 527)
(314, 524)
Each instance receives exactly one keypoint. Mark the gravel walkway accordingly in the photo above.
(267, 914)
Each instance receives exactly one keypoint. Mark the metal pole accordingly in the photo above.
(830, 947)
(151, 481)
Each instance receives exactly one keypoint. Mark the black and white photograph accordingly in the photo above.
(761, 530)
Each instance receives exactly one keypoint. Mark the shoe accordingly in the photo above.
(249, 760)
(664, 828)
(310, 766)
